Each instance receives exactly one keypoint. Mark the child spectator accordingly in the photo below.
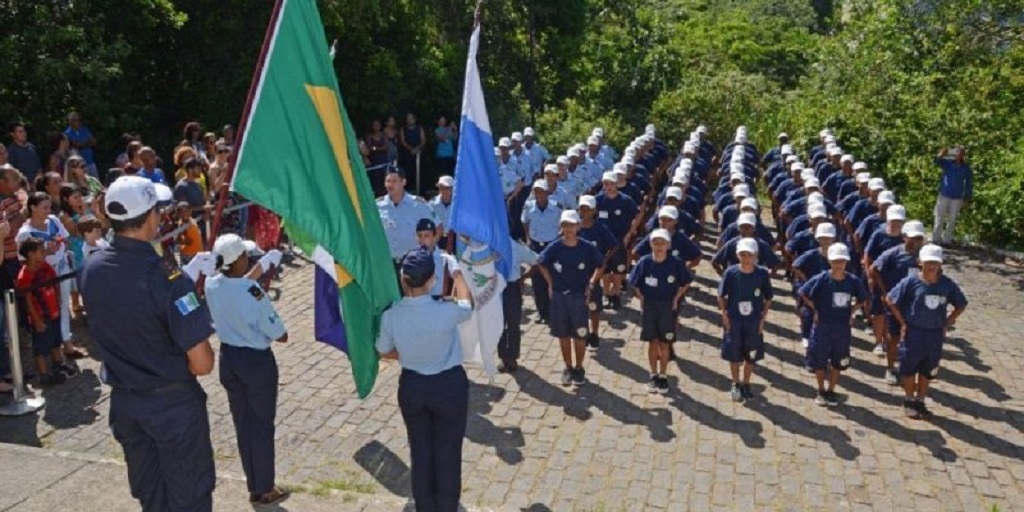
(191, 191)
(92, 231)
(190, 241)
(37, 282)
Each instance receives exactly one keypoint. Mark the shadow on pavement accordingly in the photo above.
(506, 440)
(385, 467)
(748, 431)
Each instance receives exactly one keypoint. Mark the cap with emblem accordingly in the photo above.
(931, 253)
(418, 264)
(913, 229)
(540, 185)
(838, 252)
(230, 247)
(517, 137)
(668, 211)
(588, 201)
(129, 197)
(569, 216)
(426, 225)
(662, 234)
(446, 181)
(610, 176)
(896, 212)
(746, 219)
(674, 192)
(825, 230)
(748, 203)
(876, 184)
(748, 245)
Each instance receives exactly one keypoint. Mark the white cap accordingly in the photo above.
(876, 184)
(541, 184)
(740, 191)
(736, 168)
(863, 177)
(703, 130)
(860, 166)
(896, 212)
(628, 159)
(913, 229)
(825, 133)
(504, 142)
(748, 202)
(830, 139)
(815, 198)
(689, 147)
(662, 234)
(551, 169)
(630, 150)
(931, 253)
(529, 132)
(838, 252)
(791, 158)
(783, 135)
(796, 166)
(686, 163)
(674, 192)
(589, 201)
(575, 151)
(668, 211)
(746, 219)
(597, 131)
(741, 129)
(825, 230)
(806, 174)
(231, 246)
(817, 211)
(886, 197)
(163, 193)
(129, 197)
(741, 138)
(446, 181)
(846, 158)
(611, 176)
(835, 151)
(649, 129)
(746, 245)
(593, 141)
(681, 178)
(737, 156)
(562, 160)
(620, 168)
(571, 216)
(517, 136)
(580, 146)
(812, 182)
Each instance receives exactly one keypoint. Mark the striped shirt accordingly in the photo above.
(11, 205)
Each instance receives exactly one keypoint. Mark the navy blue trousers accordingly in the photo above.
(512, 306)
(434, 408)
(165, 436)
(250, 378)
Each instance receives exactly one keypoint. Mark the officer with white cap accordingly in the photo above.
(247, 324)
(832, 297)
(744, 299)
(536, 151)
(151, 357)
(442, 203)
(920, 304)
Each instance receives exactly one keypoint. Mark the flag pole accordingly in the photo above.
(225, 187)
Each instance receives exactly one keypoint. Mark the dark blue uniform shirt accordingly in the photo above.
(617, 214)
(745, 294)
(599, 235)
(925, 305)
(681, 247)
(660, 281)
(571, 267)
(896, 264)
(834, 299)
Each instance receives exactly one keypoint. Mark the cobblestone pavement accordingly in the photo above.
(534, 445)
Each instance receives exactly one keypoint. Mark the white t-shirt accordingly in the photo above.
(54, 230)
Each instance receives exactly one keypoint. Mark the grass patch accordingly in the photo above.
(348, 482)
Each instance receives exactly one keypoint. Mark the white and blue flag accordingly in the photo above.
(480, 218)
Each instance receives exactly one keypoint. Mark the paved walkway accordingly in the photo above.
(534, 445)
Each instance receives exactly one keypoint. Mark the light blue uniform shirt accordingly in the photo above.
(509, 177)
(425, 333)
(544, 222)
(442, 212)
(593, 171)
(538, 154)
(400, 221)
(441, 259)
(564, 195)
(243, 315)
(521, 255)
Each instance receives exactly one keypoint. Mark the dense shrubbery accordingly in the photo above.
(896, 80)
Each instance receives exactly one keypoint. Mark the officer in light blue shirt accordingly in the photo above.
(559, 191)
(433, 392)
(442, 203)
(537, 153)
(541, 223)
(247, 324)
(512, 307)
(399, 213)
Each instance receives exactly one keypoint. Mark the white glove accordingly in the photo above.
(203, 263)
(271, 258)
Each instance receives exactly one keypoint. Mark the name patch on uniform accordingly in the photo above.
(256, 292)
(187, 304)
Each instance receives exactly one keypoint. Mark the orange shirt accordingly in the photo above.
(190, 242)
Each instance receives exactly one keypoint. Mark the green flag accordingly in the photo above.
(298, 156)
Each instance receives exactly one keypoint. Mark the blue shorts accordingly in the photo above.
(617, 264)
(659, 321)
(894, 326)
(743, 343)
(921, 352)
(595, 303)
(829, 346)
(877, 306)
(569, 316)
(43, 342)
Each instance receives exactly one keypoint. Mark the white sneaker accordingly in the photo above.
(879, 350)
(890, 377)
(805, 342)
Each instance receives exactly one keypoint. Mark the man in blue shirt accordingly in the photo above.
(744, 298)
(22, 154)
(82, 141)
(832, 297)
(955, 192)
(572, 268)
(920, 305)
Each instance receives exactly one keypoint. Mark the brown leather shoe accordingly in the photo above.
(275, 495)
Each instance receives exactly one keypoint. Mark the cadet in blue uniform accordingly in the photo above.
(599, 235)
(728, 255)
(512, 307)
(832, 297)
(426, 237)
(681, 246)
(442, 205)
(151, 357)
(540, 223)
(883, 239)
(618, 213)
(920, 305)
(421, 332)
(744, 298)
(808, 265)
(889, 269)
(247, 324)
(660, 280)
(572, 268)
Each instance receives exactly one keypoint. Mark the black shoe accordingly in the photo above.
(831, 398)
(663, 385)
(592, 342)
(922, 410)
(503, 367)
(736, 393)
(567, 375)
(822, 398)
(910, 408)
(579, 377)
(615, 302)
(747, 393)
(653, 384)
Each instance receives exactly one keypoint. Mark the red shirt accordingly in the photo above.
(42, 301)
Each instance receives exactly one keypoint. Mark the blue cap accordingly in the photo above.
(426, 225)
(418, 264)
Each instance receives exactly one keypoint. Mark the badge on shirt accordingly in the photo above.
(256, 292)
(602, 215)
(558, 267)
(671, 279)
(187, 304)
(757, 293)
(932, 301)
(651, 281)
(618, 212)
(582, 266)
(840, 300)
(675, 253)
(746, 308)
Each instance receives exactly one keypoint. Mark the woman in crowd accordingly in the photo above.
(445, 135)
(61, 153)
(73, 209)
(74, 173)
